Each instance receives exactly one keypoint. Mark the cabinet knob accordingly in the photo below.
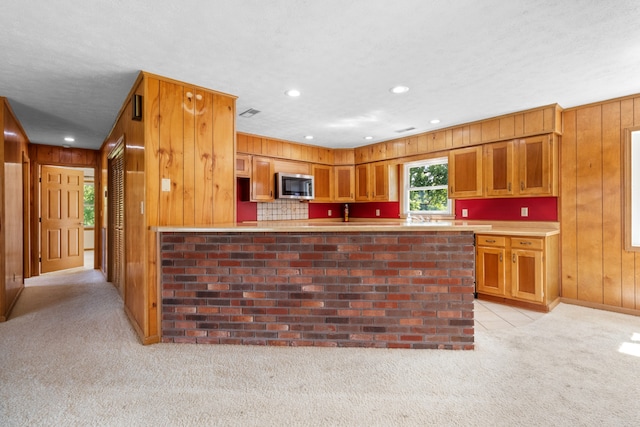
(525, 243)
(491, 241)
(522, 185)
(509, 186)
(513, 257)
(500, 257)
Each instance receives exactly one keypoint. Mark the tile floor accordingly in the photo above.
(489, 315)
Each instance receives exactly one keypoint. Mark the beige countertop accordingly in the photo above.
(514, 228)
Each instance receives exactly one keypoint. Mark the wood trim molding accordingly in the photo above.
(598, 306)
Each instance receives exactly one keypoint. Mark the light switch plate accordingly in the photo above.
(329, 212)
(524, 211)
(465, 213)
(377, 212)
(166, 184)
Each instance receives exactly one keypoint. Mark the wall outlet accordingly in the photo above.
(329, 212)
(524, 211)
(377, 212)
(465, 213)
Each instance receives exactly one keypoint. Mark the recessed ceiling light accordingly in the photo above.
(368, 137)
(66, 146)
(293, 93)
(399, 89)
(435, 121)
(69, 139)
(308, 137)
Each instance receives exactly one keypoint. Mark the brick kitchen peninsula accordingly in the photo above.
(319, 284)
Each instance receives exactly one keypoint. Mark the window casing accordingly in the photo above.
(426, 187)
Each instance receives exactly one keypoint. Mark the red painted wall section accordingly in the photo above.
(368, 210)
(509, 209)
(356, 210)
(320, 210)
(245, 210)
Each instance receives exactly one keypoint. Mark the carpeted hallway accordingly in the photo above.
(68, 357)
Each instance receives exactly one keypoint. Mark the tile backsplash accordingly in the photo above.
(282, 209)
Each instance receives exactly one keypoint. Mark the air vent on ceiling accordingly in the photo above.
(249, 113)
(405, 130)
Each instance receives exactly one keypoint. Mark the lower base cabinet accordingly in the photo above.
(520, 270)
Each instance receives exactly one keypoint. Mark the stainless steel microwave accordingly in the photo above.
(294, 186)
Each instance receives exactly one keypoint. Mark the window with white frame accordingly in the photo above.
(426, 187)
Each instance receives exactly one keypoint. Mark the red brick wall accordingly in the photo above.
(382, 289)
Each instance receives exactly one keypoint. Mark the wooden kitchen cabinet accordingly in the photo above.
(521, 167)
(499, 169)
(519, 270)
(491, 265)
(322, 183)
(465, 172)
(538, 166)
(262, 179)
(526, 274)
(243, 165)
(377, 182)
(345, 183)
(363, 182)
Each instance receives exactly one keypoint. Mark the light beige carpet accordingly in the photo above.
(68, 357)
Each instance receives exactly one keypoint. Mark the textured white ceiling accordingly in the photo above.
(67, 65)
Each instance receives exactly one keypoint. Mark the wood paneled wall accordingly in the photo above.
(596, 269)
(13, 202)
(186, 137)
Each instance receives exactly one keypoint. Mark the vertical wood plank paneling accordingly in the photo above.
(152, 150)
(204, 182)
(134, 193)
(589, 203)
(628, 261)
(224, 149)
(612, 200)
(636, 122)
(171, 153)
(4, 305)
(190, 175)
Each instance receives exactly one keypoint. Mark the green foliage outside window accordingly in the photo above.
(428, 188)
(89, 205)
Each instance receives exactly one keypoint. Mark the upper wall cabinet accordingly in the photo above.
(376, 182)
(262, 181)
(243, 166)
(499, 169)
(520, 167)
(538, 166)
(323, 183)
(465, 172)
(345, 178)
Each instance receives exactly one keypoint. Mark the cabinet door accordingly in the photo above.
(344, 183)
(535, 162)
(322, 183)
(262, 179)
(526, 274)
(499, 169)
(465, 172)
(491, 270)
(380, 182)
(243, 165)
(362, 183)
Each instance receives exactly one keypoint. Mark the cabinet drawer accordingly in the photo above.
(497, 241)
(526, 243)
